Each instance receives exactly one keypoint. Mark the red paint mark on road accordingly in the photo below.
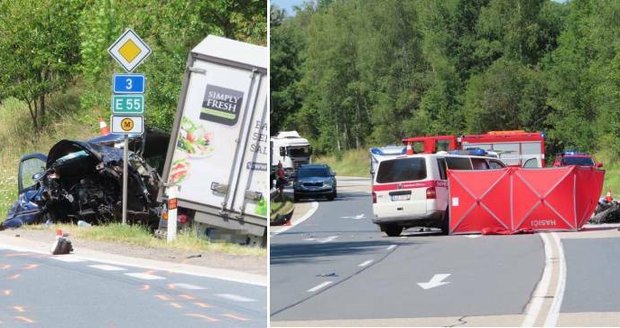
(5, 267)
(14, 277)
(176, 305)
(203, 305)
(7, 292)
(25, 319)
(202, 316)
(187, 297)
(145, 287)
(236, 317)
(163, 297)
(31, 266)
(171, 286)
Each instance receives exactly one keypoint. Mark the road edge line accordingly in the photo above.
(315, 206)
(542, 288)
(554, 312)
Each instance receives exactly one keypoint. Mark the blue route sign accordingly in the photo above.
(128, 83)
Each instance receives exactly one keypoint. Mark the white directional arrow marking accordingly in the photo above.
(356, 217)
(436, 281)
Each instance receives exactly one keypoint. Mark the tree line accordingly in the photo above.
(352, 73)
(49, 45)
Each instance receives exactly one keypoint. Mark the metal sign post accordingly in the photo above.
(125, 169)
(128, 96)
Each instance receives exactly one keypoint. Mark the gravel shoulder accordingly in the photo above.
(245, 263)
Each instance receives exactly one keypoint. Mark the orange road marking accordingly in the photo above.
(202, 305)
(31, 266)
(25, 319)
(5, 267)
(187, 297)
(163, 297)
(7, 292)
(202, 316)
(19, 308)
(235, 317)
(145, 287)
(171, 286)
(176, 305)
(13, 277)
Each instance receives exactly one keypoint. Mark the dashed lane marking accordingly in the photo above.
(319, 286)
(236, 298)
(185, 286)
(361, 265)
(145, 276)
(106, 267)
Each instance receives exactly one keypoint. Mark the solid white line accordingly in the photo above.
(542, 288)
(106, 267)
(554, 311)
(144, 276)
(317, 287)
(188, 286)
(361, 265)
(391, 247)
(315, 206)
(68, 258)
(236, 298)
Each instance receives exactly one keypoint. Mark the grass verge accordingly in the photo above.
(355, 163)
(137, 235)
(280, 205)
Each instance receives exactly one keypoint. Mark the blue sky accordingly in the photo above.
(287, 4)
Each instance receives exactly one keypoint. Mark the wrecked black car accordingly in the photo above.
(80, 180)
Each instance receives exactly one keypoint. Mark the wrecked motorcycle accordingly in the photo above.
(606, 212)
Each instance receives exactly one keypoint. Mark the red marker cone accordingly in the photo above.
(103, 128)
(608, 197)
(409, 149)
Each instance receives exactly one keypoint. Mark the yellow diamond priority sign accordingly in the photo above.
(129, 50)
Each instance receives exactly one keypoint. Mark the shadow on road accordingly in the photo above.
(311, 252)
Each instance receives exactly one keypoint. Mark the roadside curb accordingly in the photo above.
(24, 245)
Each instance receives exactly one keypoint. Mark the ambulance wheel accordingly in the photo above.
(392, 230)
(445, 223)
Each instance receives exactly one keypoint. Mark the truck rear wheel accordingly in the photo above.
(392, 230)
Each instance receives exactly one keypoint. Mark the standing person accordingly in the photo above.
(281, 178)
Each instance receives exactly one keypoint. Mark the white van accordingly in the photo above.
(412, 190)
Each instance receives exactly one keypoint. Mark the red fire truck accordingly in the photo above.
(515, 148)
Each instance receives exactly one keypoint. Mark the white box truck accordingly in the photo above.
(218, 150)
(290, 149)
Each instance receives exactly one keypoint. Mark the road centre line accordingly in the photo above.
(236, 298)
(361, 265)
(319, 286)
(542, 288)
(554, 311)
(106, 267)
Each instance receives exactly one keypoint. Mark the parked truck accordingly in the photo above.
(290, 149)
(218, 152)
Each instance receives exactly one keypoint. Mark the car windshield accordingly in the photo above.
(584, 161)
(313, 172)
(298, 151)
(401, 169)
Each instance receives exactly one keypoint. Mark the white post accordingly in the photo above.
(172, 192)
(125, 173)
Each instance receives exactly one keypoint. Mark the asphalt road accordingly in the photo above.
(336, 268)
(67, 291)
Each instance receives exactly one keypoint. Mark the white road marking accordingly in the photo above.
(361, 265)
(558, 297)
(391, 247)
(327, 240)
(436, 281)
(315, 206)
(144, 276)
(68, 258)
(355, 217)
(106, 267)
(533, 310)
(187, 286)
(473, 236)
(319, 286)
(236, 298)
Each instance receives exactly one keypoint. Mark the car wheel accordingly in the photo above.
(331, 197)
(392, 230)
(445, 222)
